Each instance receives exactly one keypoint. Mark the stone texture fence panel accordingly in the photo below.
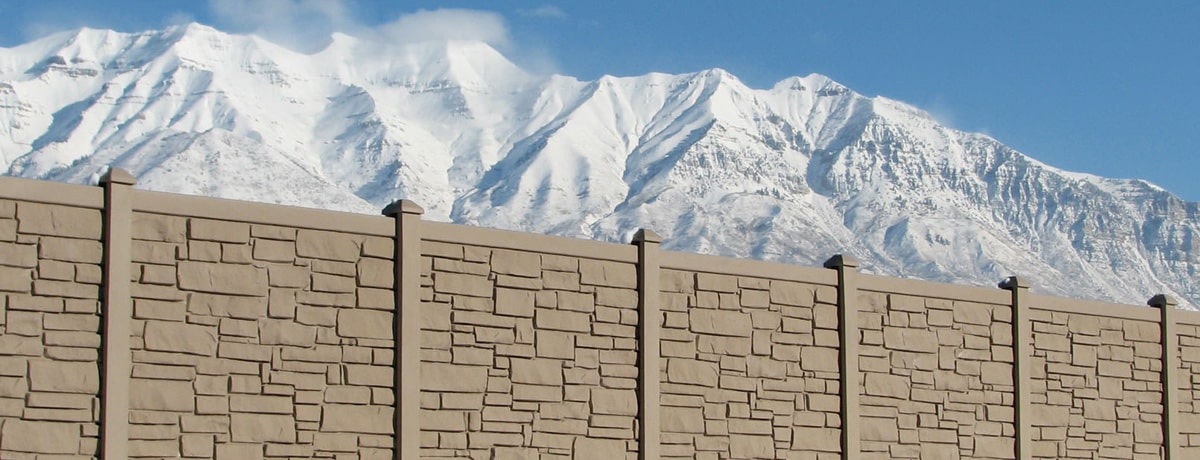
(750, 367)
(254, 341)
(1188, 389)
(138, 324)
(526, 354)
(937, 378)
(50, 277)
(1097, 390)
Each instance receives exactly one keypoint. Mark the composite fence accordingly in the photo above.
(137, 324)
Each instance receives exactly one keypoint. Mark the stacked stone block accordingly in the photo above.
(256, 341)
(1096, 387)
(1188, 369)
(50, 278)
(937, 378)
(527, 355)
(749, 369)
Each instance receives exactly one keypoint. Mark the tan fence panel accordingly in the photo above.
(526, 354)
(50, 276)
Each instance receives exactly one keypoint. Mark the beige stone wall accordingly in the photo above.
(750, 368)
(937, 378)
(50, 278)
(255, 335)
(1189, 389)
(527, 354)
(1096, 387)
(256, 341)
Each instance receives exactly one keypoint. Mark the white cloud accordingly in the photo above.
(40, 22)
(300, 24)
(269, 13)
(544, 11)
(180, 18)
(447, 24)
(35, 30)
(306, 25)
(941, 110)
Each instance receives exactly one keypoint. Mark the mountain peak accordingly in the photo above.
(468, 63)
(784, 173)
(816, 83)
(193, 29)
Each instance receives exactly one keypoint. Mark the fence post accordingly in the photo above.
(1170, 372)
(649, 333)
(851, 378)
(1022, 331)
(407, 326)
(116, 313)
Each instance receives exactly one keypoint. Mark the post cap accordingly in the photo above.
(403, 207)
(1161, 301)
(1013, 283)
(645, 235)
(842, 261)
(117, 176)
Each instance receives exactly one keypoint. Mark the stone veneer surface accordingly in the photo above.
(1096, 387)
(937, 378)
(255, 341)
(50, 278)
(527, 354)
(1188, 370)
(750, 368)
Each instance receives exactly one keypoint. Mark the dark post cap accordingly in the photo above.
(403, 207)
(646, 235)
(842, 261)
(1161, 301)
(117, 176)
(1012, 283)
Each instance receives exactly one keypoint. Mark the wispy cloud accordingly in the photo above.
(35, 30)
(447, 24)
(544, 11)
(306, 25)
(36, 22)
(180, 17)
(941, 110)
(301, 24)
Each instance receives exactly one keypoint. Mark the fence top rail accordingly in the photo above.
(319, 219)
(934, 290)
(675, 260)
(40, 191)
(262, 213)
(1092, 307)
(532, 242)
(1190, 317)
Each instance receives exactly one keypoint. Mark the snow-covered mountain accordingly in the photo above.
(794, 173)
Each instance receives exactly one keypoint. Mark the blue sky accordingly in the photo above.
(1105, 87)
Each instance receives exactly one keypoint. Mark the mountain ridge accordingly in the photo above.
(794, 172)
